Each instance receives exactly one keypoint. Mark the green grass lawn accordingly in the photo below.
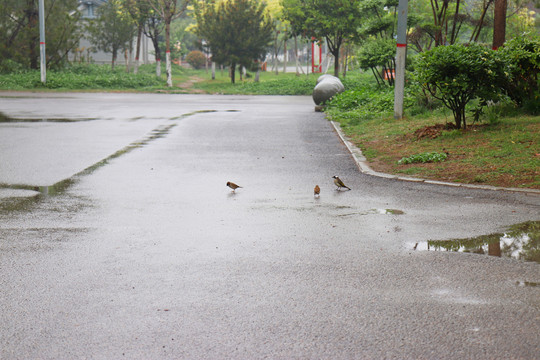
(505, 152)
(269, 83)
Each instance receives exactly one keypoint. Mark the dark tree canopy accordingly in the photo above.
(19, 32)
(236, 32)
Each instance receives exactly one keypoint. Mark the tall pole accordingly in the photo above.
(43, 62)
(401, 55)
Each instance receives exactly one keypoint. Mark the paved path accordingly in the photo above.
(140, 251)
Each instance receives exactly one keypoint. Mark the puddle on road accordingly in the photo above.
(183, 116)
(7, 119)
(521, 241)
(377, 212)
(331, 209)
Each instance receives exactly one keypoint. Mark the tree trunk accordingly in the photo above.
(284, 56)
(32, 16)
(276, 54)
(233, 72)
(308, 59)
(114, 54)
(374, 71)
(336, 63)
(168, 51)
(459, 116)
(168, 68)
(138, 50)
(296, 54)
(345, 59)
(157, 55)
(126, 59)
(499, 23)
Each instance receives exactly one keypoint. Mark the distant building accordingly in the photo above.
(89, 10)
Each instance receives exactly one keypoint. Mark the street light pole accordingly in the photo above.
(43, 64)
(401, 55)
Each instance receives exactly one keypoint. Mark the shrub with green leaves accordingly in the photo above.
(423, 158)
(378, 53)
(457, 74)
(522, 54)
(196, 59)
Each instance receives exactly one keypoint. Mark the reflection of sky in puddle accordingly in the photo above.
(521, 241)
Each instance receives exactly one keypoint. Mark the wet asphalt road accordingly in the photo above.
(140, 251)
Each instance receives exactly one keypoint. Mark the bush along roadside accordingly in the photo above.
(458, 74)
(499, 147)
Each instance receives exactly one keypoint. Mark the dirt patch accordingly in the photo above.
(188, 85)
(433, 131)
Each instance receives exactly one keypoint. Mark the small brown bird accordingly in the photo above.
(339, 183)
(317, 191)
(233, 186)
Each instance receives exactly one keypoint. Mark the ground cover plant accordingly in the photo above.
(268, 84)
(426, 157)
(83, 77)
(501, 148)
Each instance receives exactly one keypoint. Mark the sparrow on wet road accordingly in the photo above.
(339, 183)
(233, 186)
(316, 191)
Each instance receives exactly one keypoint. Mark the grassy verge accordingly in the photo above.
(269, 84)
(84, 77)
(102, 78)
(502, 150)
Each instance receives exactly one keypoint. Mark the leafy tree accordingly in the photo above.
(457, 74)
(153, 28)
(168, 10)
(19, 32)
(334, 20)
(237, 32)
(378, 53)
(379, 18)
(378, 48)
(111, 31)
(139, 11)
